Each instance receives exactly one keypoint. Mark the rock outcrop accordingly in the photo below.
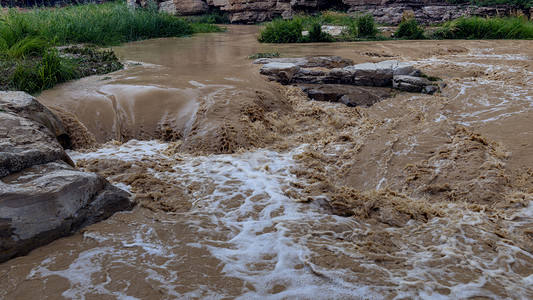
(42, 196)
(353, 85)
(384, 11)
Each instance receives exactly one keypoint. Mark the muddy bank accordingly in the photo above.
(416, 196)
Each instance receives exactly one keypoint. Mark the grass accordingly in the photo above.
(290, 31)
(98, 24)
(516, 3)
(29, 59)
(485, 28)
(264, 55)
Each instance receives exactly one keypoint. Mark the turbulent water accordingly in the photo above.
(246, 189)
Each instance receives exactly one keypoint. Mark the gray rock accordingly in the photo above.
(309, 62)
(24, 143)
(278, 71)
(42, 196)
(370, 74)
(413, 84)
(28, 107)
(347, 94)
(49, 201)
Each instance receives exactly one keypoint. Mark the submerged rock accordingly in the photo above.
(346, 94)
(42, 196)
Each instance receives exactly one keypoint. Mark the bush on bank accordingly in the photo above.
(290, 31)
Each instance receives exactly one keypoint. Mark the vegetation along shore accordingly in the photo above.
(33, 60)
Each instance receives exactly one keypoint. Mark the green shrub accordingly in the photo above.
(317, 35)
(486, 28)
(282, 31)
(410, 30)
(366, 26)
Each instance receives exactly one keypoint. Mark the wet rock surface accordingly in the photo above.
(331, 83)
(349, 95)
(42, 196)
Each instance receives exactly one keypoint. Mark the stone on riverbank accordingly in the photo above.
(42, 196)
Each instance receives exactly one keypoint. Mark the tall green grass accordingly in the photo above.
(99, 24)
(486, 28)
(51, 70)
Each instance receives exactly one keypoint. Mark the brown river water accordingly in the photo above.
(248, 190)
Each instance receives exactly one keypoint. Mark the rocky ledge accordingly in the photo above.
(384, 11)
(336, 79)
(42, 195)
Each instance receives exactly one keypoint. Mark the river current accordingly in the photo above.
(246, 189)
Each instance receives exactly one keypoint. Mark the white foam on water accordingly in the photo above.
(266, 238)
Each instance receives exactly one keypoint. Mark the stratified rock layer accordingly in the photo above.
(354, 85)
(384, 11)
(42, 196)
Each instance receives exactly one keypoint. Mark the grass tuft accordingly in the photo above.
(264, 55)
(485, 28)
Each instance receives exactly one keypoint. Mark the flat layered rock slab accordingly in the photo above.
(329, 62)
(322, 81)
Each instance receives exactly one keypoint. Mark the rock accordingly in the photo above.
(26, 106)
(310, 62)
(184, 7)
(49, 201)
(413, 84)
(279, 71)
(345, 84)
(42, 195)
(24, 143)
(347, 94)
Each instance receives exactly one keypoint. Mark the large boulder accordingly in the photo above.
(42, 196)
(28, 107)
(24, 143)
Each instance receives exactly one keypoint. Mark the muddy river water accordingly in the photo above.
(246, 189)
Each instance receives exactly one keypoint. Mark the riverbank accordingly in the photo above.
(342, 27)
(29, 41)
